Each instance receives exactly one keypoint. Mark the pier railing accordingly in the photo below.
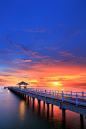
(78, 98)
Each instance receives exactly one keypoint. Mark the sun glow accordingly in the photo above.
(56, 83)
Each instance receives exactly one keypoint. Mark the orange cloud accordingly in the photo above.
(40, 74)
(26, 60)
(65, 53)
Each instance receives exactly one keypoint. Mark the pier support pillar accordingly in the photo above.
(63, 114)
(25, 97)
(81, 121)
(52, 110)
(33, 100)
(47, 107)
(28, 99)
(39, 104)
(52, 107)
(44, 104)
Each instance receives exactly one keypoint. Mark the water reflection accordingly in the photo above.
(22, 110)
(54, 115)
(16, 113)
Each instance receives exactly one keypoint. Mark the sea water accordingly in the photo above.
(17, 113)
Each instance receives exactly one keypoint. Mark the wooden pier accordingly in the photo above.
(66, 100)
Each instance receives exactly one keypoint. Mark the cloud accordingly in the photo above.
(41, 30)
(7, 37)
(8, 61)
(24, 60)
(7, 75)
(10, 42)
(76, 31)
(58, 60)
(8, 49)
(52, 48)
(73, 32)
(82, 22)
(33, 53)
(68, 60)
(25, 48)
(1, 52)
(35, 30)
(26, 29)
(40, 56)
(61, 25)
(65, 53)
(1, 35)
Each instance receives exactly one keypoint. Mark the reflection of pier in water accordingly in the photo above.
(43, 104)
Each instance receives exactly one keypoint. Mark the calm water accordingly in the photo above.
(17, 113)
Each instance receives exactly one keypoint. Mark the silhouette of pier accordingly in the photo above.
(66, 100)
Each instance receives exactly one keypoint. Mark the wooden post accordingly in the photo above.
(63, 114)
(57, 95)
(25, 97)
(71, 93)
(76, 99)
(33, 100)
(81, 121)
(28, 99)
(36, 91)
(53, 95)
(47, 107)
(62, 96)
(39, 103)
(69, 97)
(52, 106)
(45, 93)
(49, 93)
(82, 95)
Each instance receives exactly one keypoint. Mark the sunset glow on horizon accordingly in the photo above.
(43, 43)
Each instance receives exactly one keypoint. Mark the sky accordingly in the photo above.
(43, 42)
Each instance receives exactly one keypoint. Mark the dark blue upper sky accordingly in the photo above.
(42, 31)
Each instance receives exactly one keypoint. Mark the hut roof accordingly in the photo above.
(22, 83)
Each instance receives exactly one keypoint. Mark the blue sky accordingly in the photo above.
(42, 34)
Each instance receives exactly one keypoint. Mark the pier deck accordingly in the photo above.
(66, 100)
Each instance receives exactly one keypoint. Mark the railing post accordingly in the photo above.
(36, 91)
(82, 95)
(62, 96)
(57, 95)
(76, 99)
(69, 97)
(45, 93)
(49, 94)
(71, 93)
(53, 94)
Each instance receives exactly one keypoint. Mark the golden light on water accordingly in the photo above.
(22, 110)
